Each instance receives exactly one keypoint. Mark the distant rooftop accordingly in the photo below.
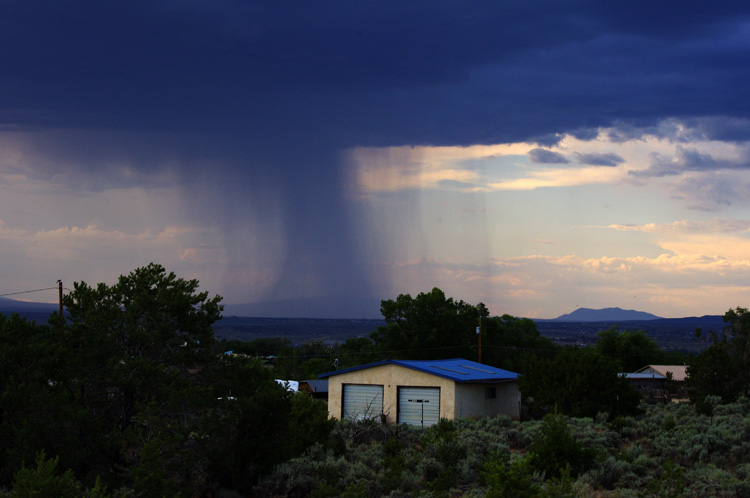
(679, 372)
(641, 376)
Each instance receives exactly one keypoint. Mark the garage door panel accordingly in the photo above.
(362, 401)
(419, 405)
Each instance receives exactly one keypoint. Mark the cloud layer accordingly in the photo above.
(352, 152)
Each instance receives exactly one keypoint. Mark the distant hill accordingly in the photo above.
(38, 312)
(606, 315)
(13, 306)
(581, 327)
(670, 334)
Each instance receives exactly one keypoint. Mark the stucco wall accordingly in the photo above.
(390, 377)
(471, 401)
(456, 400)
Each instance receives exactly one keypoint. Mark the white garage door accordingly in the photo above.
(362, 401)
(419, 405)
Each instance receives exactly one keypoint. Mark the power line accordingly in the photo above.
(28, 291)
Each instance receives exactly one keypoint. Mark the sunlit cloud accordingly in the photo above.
(518, 166)
(677, 157)
(560, 178)
(690, 226)
(408, 168)
(728, 241)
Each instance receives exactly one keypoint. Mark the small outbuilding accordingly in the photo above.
(421, 392)
(318, 389)
(678, 372)
(659, 383)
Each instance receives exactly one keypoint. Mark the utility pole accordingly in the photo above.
(62, 318)
(479, 339)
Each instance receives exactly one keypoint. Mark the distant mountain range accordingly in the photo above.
(579, 327)
(12, 306)
(318, 310)
(605, 315)
(37, 312)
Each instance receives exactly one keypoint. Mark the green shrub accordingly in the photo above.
(484, 436)
(317, 470)
(442, 445)
(44, 481)
(393, 465)
(518, 435)
(666, 447)
(428, 468)
(598, 436)
(669, 423)
(643, 465)
(356, 472)
(709, 480)
(608, 474)
(559, 488)
(354, 491)
(508, 477)
(554, 448)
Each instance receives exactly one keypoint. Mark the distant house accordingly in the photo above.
(318, 389)
(422, 392)
(656, 386)
(679, 372)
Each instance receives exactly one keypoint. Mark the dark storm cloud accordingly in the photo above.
(370, 74)
(544, 156)
(603, 159)
(548, 140)
(253, 93)
(688, 159)
(585, 134)
(721, 128)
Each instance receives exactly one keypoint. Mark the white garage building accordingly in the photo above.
(421, 392)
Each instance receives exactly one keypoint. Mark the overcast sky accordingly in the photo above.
(537, 156)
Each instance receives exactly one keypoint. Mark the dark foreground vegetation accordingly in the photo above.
(667, 451)
(132, 396)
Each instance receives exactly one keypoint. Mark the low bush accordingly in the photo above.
(665, 451)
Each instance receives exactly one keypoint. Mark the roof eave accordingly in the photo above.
(411, 366)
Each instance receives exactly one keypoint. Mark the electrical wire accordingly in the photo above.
(28, 291)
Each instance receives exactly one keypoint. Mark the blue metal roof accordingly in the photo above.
(456, 369)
